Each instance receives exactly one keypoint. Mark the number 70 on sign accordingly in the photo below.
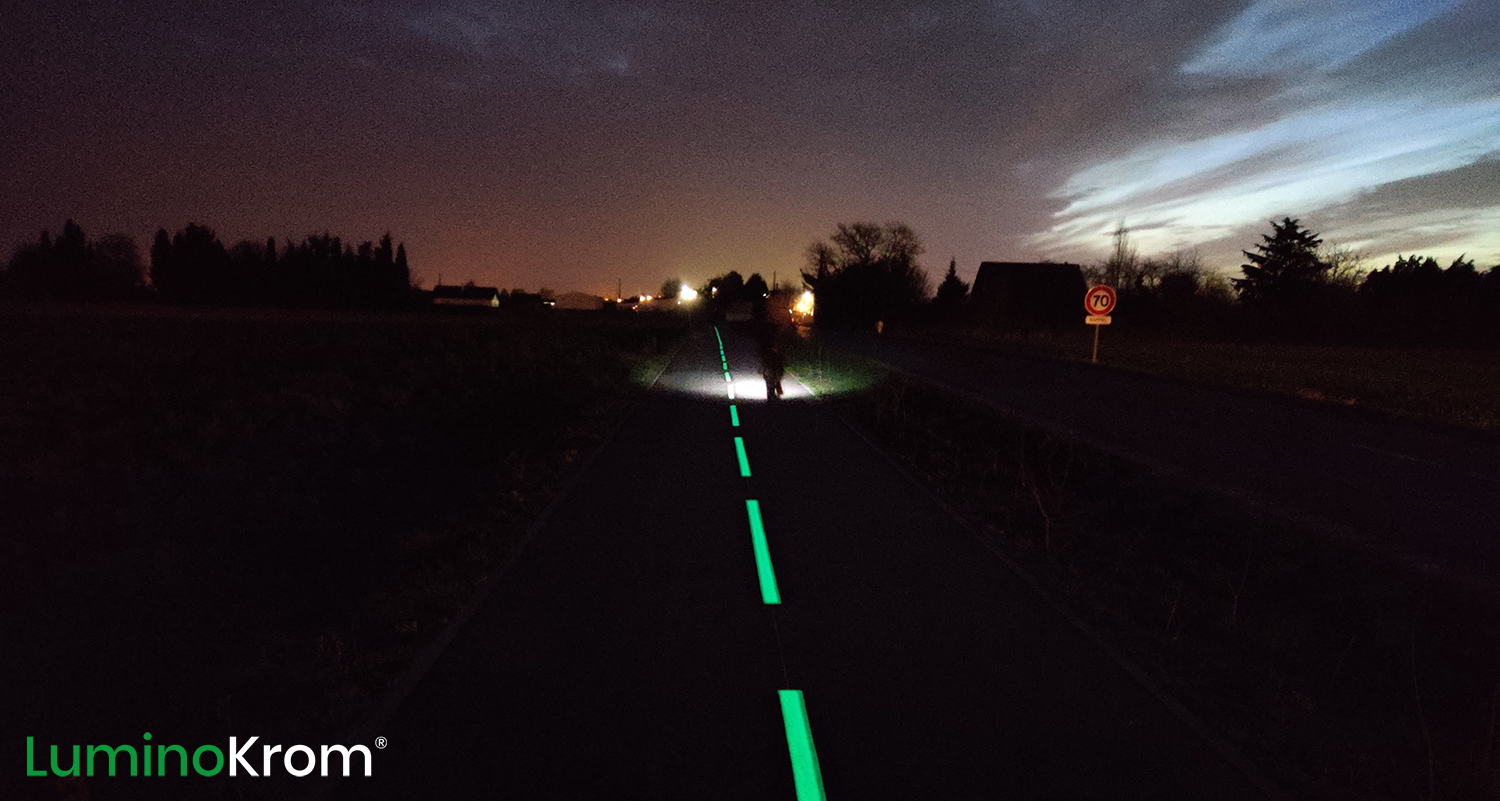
(1099, 301)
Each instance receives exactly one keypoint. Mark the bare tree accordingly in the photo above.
(1121, 266)
(1346, 266)
(866, 273)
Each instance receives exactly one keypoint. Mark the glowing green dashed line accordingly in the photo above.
(806, 775)
(739, 450)
(769, 594)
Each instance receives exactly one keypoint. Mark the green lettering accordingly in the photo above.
(95, 749)
(31, 758)
(161, 758)
(73, 769)
(198, 760)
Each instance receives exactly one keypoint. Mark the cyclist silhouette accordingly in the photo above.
(772, 367)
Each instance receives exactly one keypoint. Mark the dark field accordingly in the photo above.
(246, 523)
(1341, 676)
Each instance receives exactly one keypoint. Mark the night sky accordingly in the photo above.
(571, 144)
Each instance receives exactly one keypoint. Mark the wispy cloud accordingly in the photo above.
(1306, 161)
(1315, 142)
(1280, 36)
(551, 38)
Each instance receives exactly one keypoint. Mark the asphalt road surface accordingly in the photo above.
(646, 645)
(1426, 496)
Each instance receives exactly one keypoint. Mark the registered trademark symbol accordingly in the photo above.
(380, 742)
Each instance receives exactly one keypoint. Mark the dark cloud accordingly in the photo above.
(530, 143)
(1476, 186)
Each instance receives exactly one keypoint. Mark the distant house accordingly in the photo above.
(579, 301)
(1026, 295)
(467, 295)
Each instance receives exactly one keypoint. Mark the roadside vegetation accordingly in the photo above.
(1443, 385)
(250, 523)
(1340, 676)
(1306, 318)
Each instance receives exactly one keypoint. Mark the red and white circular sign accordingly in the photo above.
(1099, 300)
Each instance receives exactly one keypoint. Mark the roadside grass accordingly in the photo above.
(1340, 676)
(1455, 387)
(252, 524)
(826, 371)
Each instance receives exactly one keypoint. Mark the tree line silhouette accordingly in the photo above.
(71, 267)
(1292, 288)
(194, 266)
(1295, 288)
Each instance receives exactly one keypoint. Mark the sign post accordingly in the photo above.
(1099, 301)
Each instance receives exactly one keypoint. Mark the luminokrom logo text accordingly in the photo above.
(152, 759)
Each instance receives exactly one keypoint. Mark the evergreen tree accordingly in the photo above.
(952, 291)
(162, 278)
(403, 273)
(1284, 267)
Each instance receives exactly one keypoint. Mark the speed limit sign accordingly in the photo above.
(1099, 300)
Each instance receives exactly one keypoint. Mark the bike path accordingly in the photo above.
(630, 652)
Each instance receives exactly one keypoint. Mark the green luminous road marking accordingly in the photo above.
(731, 392)
(806, 776)
(727, 378)
(768, 592)
(739, 450)
(734, 415)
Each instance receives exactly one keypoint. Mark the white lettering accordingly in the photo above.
(345, 752)
(237, 756)
(312, 760)
(265, 757)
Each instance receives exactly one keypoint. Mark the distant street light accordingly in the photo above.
(804, 304)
